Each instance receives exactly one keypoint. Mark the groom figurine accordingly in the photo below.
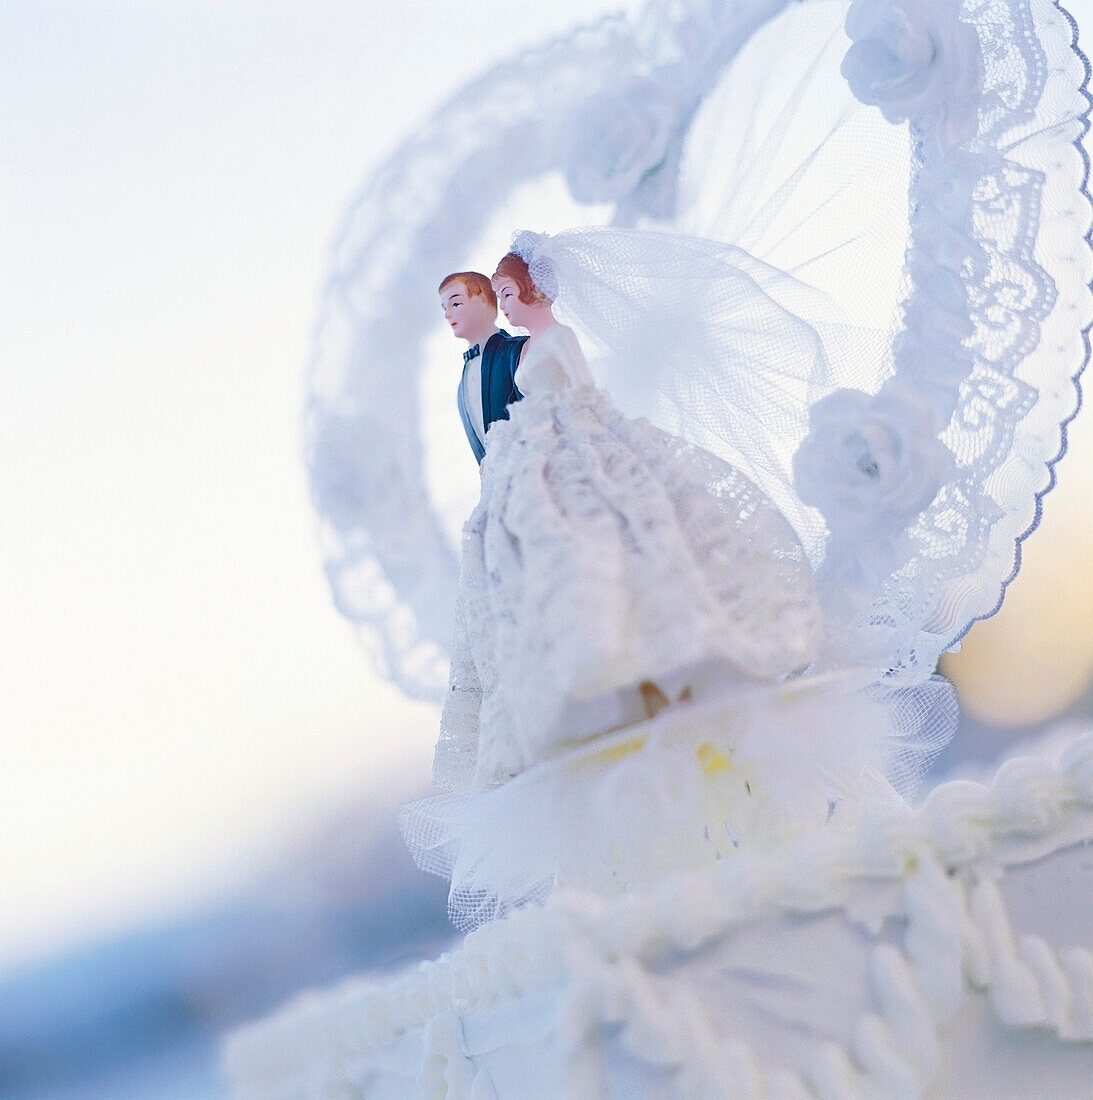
(487, 387)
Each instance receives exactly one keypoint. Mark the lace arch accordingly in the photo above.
(931, 467)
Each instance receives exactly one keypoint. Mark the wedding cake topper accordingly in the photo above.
(920, 464)
(888, 381)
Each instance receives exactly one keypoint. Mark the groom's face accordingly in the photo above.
(467, 314)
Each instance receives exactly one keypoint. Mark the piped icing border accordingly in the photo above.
(939, 863)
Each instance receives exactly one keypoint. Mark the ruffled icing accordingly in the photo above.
(923, 885)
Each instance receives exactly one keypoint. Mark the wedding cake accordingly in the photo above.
(833, 338)
(944, 951)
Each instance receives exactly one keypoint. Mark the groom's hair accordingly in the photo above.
(476, 284)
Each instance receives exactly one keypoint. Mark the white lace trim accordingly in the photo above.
(993, 334)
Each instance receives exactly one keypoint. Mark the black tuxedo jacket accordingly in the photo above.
(500, 357)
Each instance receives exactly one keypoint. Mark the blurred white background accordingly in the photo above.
(178, 689)
(179, 696)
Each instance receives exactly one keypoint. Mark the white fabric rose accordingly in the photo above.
(914, 58)
(871, 464)
(621, 137)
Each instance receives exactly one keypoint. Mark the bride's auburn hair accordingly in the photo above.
(514, 267)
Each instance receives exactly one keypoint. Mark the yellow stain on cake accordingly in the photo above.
(793, 692)
(712, 761)
(619, 750)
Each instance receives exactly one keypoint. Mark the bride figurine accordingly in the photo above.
(608, 570)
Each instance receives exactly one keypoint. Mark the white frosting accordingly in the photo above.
(913, 902)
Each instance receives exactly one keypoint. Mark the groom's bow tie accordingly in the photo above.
(469, 354)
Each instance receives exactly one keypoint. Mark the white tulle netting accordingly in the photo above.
(707, 341)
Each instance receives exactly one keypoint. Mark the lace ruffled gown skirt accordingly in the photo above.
(604, 553)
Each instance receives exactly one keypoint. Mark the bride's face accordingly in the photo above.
(516, 312)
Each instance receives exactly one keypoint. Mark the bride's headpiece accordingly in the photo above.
(532, 249)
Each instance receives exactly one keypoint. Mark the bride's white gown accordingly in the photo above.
(604, 553)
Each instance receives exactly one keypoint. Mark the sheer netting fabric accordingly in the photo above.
(705, 340)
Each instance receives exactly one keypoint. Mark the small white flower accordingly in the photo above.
(871, 464)
(915, 58)
(620, 137)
